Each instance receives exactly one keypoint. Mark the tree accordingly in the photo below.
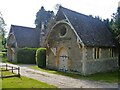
(43, 16)
(114, 24)
(2, 29)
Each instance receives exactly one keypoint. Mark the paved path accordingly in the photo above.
(61, 81)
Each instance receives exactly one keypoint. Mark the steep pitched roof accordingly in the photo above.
(25, 36)
(92, 31)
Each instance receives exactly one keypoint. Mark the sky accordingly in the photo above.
(23, 12)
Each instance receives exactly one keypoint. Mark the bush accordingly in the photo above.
(4, 50)
(41, 57)
(26, 55)
(3, 56)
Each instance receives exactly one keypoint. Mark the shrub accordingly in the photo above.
(41, 57)
(26, 55)
(4, 50)
(3, 56)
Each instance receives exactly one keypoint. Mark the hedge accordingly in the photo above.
(41, 57)
(26, 55)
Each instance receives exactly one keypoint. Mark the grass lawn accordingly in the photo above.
(110, 77)
(23, 82)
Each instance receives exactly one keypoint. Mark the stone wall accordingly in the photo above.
(11, 55)
(101, 65)
(80, 59)
(70, 43)
(104, 63)
(51, 61)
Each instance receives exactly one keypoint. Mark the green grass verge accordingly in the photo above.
(6, 73)
(110, 77)
(23, 82)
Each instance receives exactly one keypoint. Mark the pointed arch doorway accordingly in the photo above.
(63, 60)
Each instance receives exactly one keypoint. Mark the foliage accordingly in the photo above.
(4, 50)
(4, 59)
(1, 46)
(26, 55)
(43, 16)
(41, 57)
(51, 23)
(110, 77)
(2, 29)
(114, 23)
(22, 82)
(4, 41)
(3, 56)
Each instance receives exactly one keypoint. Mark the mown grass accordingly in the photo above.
(22, 82)
(110, 77)
(6, 73)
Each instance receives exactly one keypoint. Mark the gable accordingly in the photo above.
(11, 41)
(92, 31)
(25, 36)
(60, 16)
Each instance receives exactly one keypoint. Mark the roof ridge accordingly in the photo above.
(92, 31)
(61, 7)
(22, 26)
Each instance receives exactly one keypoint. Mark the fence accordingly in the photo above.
(12, 69)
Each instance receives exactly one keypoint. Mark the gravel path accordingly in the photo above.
(61, 81)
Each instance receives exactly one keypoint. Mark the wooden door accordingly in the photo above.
(63, 59)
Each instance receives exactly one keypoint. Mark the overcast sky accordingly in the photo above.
(22, 12)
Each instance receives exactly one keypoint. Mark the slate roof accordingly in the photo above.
(25, 36)
(92, 31)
